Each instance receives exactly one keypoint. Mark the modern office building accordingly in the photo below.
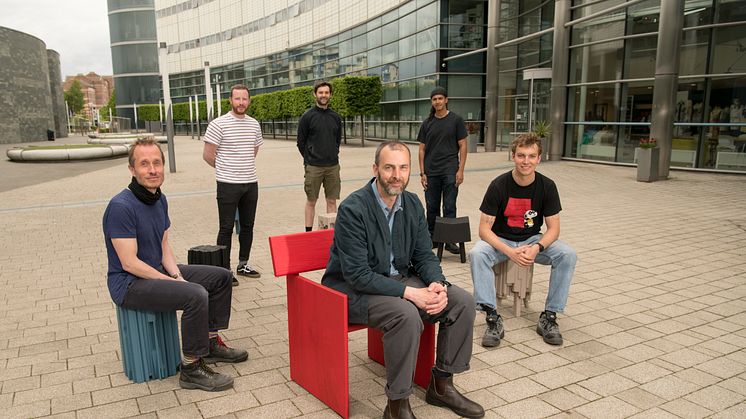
(605, 73)
(134, 54)
(32, 102)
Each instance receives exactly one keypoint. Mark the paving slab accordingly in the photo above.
(654, 326)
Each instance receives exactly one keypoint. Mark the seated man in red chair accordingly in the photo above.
(382, 259)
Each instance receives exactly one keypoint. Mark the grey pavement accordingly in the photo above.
(655, 325)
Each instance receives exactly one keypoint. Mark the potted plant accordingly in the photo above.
(648, 155)
(472, 128)
(542, 129)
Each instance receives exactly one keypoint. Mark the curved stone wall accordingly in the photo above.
(26, 105)
(57, 94)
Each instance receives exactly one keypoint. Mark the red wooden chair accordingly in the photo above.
(317, 323)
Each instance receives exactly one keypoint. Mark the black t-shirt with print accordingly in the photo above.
(441, 137)
(519, 211)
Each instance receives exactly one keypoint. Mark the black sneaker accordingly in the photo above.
(247, 270)
(494, 332)
(548, 328)
(235, 281)
(220, 352)
(453, 248)
(198, 375)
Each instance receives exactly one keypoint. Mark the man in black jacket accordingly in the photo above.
(319, 136)
(382, 259)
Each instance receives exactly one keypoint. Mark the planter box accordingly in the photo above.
(647, 164)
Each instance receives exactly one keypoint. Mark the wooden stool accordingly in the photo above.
(326, 221)
(452, 230)
(511, 277)
(149, 342)
(209, 255)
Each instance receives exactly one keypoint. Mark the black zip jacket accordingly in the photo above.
(319, 136)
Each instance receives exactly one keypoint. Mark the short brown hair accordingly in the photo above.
(140, 142)
(392, 145)
(240, 87)
(526, 140)
(322, 83)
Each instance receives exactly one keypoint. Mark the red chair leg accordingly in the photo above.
(425, 355)
(317, 335)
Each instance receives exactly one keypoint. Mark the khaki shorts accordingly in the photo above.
(316, 175)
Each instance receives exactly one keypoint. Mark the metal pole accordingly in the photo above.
(217, 94)
(196, 115)
(169, 114)
(67, 114)
(490, 106)
(666, 80)
(560, 65)
(191, 118)
(134, 105)
(160, 113)
(208, 92)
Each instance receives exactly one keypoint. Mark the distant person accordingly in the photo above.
(514, 208)
(232, 143)
(319, 137)
(382, 259)
(143, 273)
(443, 140)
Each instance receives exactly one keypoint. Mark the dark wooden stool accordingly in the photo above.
(452, 230)
(208, 254)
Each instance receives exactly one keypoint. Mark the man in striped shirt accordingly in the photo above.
(232, 143)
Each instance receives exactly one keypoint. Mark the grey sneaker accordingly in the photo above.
(220, 352)
(548, 328)
(453, 248)
(246, 270)
(494, 332)
(198, 375)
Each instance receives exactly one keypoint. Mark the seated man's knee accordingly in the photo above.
(407, 317)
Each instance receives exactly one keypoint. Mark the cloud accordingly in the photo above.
(77, 29)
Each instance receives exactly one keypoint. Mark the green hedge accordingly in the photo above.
(351, 96)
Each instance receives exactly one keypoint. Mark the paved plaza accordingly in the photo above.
(655, 326)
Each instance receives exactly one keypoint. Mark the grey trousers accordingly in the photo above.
(401, 323)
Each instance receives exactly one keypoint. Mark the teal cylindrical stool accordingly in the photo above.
(149, 342)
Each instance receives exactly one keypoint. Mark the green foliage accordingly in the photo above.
(111, 104)
(362, 95)
(339, 97)
(296, 101)
(74, 97)
(542, 128)
(148, 113)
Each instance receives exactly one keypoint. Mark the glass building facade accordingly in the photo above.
(134, 54)
(605, 85)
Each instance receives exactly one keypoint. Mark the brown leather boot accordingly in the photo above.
(441, 392)
(398, 409)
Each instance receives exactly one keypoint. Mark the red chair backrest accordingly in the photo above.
(300, 252)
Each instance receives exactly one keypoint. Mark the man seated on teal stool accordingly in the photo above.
(143, 274)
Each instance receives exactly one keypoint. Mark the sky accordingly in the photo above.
(77, 29)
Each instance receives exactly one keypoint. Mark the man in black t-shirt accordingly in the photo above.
(442, 140)
(513, 210)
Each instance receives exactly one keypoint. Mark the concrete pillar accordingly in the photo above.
(560, 66)
(666, 80)
(493, 18)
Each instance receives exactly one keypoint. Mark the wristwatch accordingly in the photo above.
(445, 284)
(541, 247)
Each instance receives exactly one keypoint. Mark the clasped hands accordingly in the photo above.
(432, 299)
(523, 255)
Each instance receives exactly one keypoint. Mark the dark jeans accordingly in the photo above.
(205, 299)
(243, 196)
(402, 323)
(437, 186)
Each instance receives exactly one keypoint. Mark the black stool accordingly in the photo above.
(213, 255)
(452, 230)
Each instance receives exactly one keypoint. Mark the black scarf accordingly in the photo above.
(144, 195)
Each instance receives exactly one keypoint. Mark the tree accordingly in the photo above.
(110, 104)
(74, 97)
